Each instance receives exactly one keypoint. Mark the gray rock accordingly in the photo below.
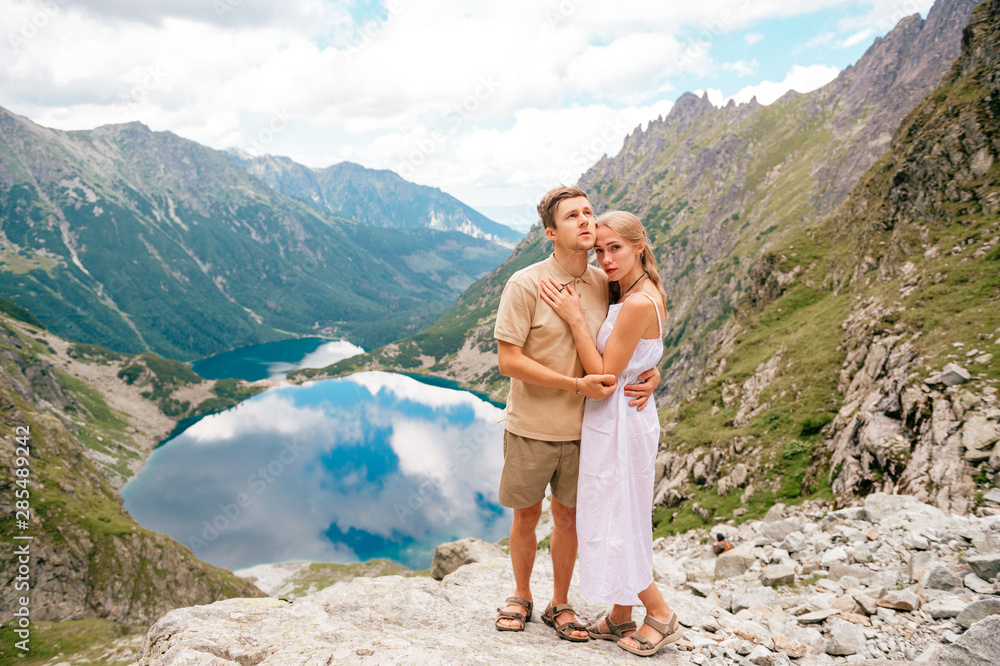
(945, 608)
(734, 562)
(777, 530)
(979, 646)
(754, 596)
(879, 506)
(977, 584)
(817, 617)
(845, 638)
(794, 542)
(901, 600)
(976, 611)
(862, 554)
(993, 496)
(941, 577)
(986, 566)
(838, 571)
(979, 433)
(868, 605)
(775, 513)
(915, 541)
(833, 556)
(701, 589)
(954, 374)
(778, 574)
(450, 556)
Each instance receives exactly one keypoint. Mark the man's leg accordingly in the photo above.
(563, 547)
(523, 545)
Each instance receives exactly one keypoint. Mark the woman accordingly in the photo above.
(618, 445)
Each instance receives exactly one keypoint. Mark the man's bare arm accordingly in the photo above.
(514, 364)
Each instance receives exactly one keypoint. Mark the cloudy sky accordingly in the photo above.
(492, 102)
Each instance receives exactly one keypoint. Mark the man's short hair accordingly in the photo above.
(549, 203)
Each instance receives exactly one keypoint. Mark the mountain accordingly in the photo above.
(141, 240)
(378, 197)
(80, 420)
(864, 357)
(716, 188)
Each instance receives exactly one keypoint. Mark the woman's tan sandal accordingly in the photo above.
(646, 647)
(566, 629)
(514, 615)
(615, 631)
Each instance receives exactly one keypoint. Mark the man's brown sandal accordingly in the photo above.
(566, 629)
(648, 648)
(615, 632)
(514, 615)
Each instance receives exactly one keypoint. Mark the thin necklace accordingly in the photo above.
(622, 297)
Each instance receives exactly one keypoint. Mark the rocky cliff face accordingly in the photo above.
(718, 187)
(862, 359)
(377, 197)
(86, 430)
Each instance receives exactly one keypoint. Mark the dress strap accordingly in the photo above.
(659, 322)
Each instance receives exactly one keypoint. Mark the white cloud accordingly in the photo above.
(742, 68)
(799, 79)
(466, 93)
(857, 38)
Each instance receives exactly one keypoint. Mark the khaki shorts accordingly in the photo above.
(529, 465)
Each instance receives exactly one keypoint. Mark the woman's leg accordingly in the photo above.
(657, 607)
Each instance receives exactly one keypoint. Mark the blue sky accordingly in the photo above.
(491, 102)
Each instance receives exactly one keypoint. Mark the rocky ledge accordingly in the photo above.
(893, 580)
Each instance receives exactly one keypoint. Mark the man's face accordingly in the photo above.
(574, 228)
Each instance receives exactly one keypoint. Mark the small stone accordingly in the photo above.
(834, 556)
(845, 639)
(450, 556)
(872, 534)
(868, 605)
(817, 617)
(828, 585)
(902, 600)
(845, 603)
(862, 555)
(777, 574)
(977, 584)
(734, 562)
(942, 578)
(954, 374)
(761, 656)
(914, 541)
(986, 566)
(794, 542)
(976, 611)
(944, 608)
(793, 649)
(993, 496)
(701, 589)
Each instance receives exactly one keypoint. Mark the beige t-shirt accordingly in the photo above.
(525, 320)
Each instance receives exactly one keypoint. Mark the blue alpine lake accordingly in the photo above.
(373, 465)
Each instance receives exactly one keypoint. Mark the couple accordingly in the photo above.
(559, 342)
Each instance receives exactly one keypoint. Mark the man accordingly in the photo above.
(535, 349)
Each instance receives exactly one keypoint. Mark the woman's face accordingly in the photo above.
(614, 255)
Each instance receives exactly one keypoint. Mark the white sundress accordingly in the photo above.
(615, 491)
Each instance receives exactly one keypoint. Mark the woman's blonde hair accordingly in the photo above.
(629, 227)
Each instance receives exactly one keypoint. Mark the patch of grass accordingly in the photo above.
(85, 640)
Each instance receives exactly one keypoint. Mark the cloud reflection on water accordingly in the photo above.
(372, 465)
